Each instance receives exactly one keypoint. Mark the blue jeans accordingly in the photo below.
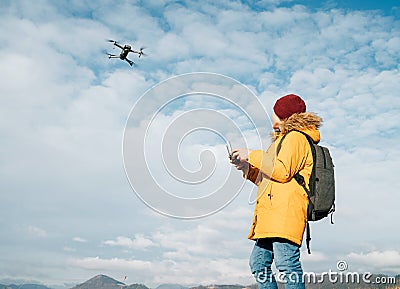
(287, 260)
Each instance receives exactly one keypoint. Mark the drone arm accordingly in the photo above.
(140, 52)
(116, 44)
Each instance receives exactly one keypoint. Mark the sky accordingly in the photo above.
(103, 166)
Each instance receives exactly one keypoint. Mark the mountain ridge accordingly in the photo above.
(105, 282)
(24, 286)
(171, 286)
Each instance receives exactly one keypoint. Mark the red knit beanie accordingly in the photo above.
(288, 105)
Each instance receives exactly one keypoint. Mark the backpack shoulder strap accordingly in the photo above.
(309, 139)
(311, 142)
(278, 148)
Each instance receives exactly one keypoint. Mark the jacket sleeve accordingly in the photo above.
(290, 160)
(253, 175)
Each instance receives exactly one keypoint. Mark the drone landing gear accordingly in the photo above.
(129, 61)
(126, 59)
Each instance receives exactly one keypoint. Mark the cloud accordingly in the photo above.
(36, 231)
(316, 257)
(139, 242)
(386, 261)
(167, 271)
(100, 264)
(79, 240)
(198, 254)
(69, 249)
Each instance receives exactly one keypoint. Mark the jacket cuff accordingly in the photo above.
(252, 174)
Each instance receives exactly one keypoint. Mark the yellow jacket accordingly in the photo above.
(281, 206)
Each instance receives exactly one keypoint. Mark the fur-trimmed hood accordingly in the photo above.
(307, 122)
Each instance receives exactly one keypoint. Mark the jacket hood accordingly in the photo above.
(306, 122)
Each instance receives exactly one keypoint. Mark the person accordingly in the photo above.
(280, 213)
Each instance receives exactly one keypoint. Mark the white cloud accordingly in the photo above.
(36, 231)
(386, 261)
(121, 265)
(139, 242)
(156, 272)
(315, 257)
(69, 249)
(79, 240)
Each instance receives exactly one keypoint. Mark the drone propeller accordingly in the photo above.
(141, 52)
(113, 42)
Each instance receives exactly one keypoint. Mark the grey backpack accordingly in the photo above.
(321, 192)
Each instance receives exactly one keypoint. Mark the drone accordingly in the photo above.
(125, 51)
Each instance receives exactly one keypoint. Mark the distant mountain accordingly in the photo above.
(25, 286)
(100, 282)
(136, 286)
(171, 286)
(105, 282)
(220, 287)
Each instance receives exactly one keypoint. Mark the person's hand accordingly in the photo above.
(242, 166)
(241, 154)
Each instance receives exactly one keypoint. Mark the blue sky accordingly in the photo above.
(67, 209)
(389, 7)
